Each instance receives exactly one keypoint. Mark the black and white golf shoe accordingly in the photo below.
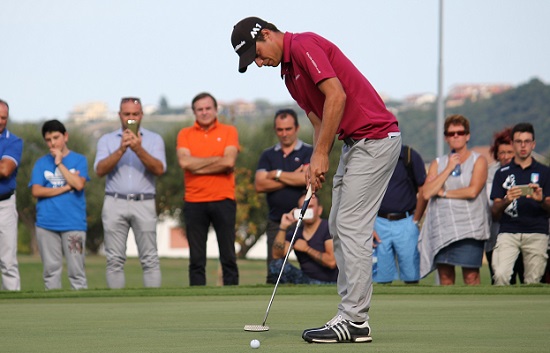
(339, 331)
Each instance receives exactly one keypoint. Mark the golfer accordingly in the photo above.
(337, 99)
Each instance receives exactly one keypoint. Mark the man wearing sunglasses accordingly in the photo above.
(131, 157)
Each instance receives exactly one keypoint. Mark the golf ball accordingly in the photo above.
(255, 344)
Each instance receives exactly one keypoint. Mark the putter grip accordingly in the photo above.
(306, 202)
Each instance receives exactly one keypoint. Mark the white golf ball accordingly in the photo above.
(255, 344)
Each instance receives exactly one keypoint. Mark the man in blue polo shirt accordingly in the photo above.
(11, 148)
(280, 173)
(396, 224)
(523, 209)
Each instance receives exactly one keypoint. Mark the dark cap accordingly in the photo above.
(243, 40)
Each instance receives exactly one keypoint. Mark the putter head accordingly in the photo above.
(256, 328)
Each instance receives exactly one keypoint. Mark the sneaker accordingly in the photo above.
(342, 331)
(336, 319)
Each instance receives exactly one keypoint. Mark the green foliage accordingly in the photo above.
(526, 103)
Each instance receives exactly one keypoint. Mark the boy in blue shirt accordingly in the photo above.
(57, 181)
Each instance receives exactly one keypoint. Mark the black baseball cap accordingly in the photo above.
(243, 40)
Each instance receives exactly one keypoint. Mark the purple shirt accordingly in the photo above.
(309, 59)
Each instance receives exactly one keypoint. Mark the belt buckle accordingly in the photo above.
(131, 197)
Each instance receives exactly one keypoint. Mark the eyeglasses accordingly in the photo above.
(455, 133)
(523, 142)
(130, 99)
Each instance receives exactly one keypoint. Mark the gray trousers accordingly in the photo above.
(52, 245)
(8, 245)
(359, 185)
(118, 216)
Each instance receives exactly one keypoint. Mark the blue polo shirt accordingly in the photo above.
(11, 147)
(285, 199)
(401, 194)
(525, 215)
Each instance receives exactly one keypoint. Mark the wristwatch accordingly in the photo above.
(278, 175)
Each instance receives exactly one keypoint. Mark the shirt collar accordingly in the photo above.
(287, 41)
(5, 133)
(532, 165)
(212, 127)
(299, 144)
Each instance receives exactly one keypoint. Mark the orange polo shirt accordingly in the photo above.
(208, 143)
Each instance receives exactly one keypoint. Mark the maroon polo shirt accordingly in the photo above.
(309, 59)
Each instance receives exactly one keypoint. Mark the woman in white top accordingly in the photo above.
(457, 220)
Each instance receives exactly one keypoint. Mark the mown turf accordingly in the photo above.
(178, 318)
(401, 323)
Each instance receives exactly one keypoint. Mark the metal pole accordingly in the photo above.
(440, 94)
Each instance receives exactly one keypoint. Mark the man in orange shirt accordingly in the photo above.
(207, 152)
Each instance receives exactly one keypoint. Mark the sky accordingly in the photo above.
(56, 54)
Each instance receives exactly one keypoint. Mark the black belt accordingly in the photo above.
(395, 216)
(6, 196)
(131, 197)
(350, 142)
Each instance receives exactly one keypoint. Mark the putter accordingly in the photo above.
(263, 327)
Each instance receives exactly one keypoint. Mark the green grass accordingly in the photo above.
(179, 318)
(174, 273)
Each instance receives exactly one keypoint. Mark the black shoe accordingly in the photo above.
(342, 331)
(330, 322)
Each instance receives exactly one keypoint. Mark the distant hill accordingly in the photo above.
(529, 102)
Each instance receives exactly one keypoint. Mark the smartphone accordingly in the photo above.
(525, 190)
(133, 126)
(307, 215)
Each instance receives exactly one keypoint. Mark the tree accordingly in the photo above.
(164, 108)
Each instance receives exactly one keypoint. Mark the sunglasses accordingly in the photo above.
(455, 133)
(130, 99)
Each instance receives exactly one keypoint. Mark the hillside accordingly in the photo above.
(529, 102)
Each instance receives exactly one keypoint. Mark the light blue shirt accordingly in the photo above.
(130, 175)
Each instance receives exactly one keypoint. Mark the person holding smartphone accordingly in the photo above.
(131, 158)
(313, 247)
(522, 207)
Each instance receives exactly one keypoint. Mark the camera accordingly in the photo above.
(307, 215)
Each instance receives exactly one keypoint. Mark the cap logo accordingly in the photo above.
(240, 45)
(255, 30)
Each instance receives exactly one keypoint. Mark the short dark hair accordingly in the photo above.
(5, 103)
(283, 113)
(53, 126)
(201, 96)
(523, 127)
(271, 27)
